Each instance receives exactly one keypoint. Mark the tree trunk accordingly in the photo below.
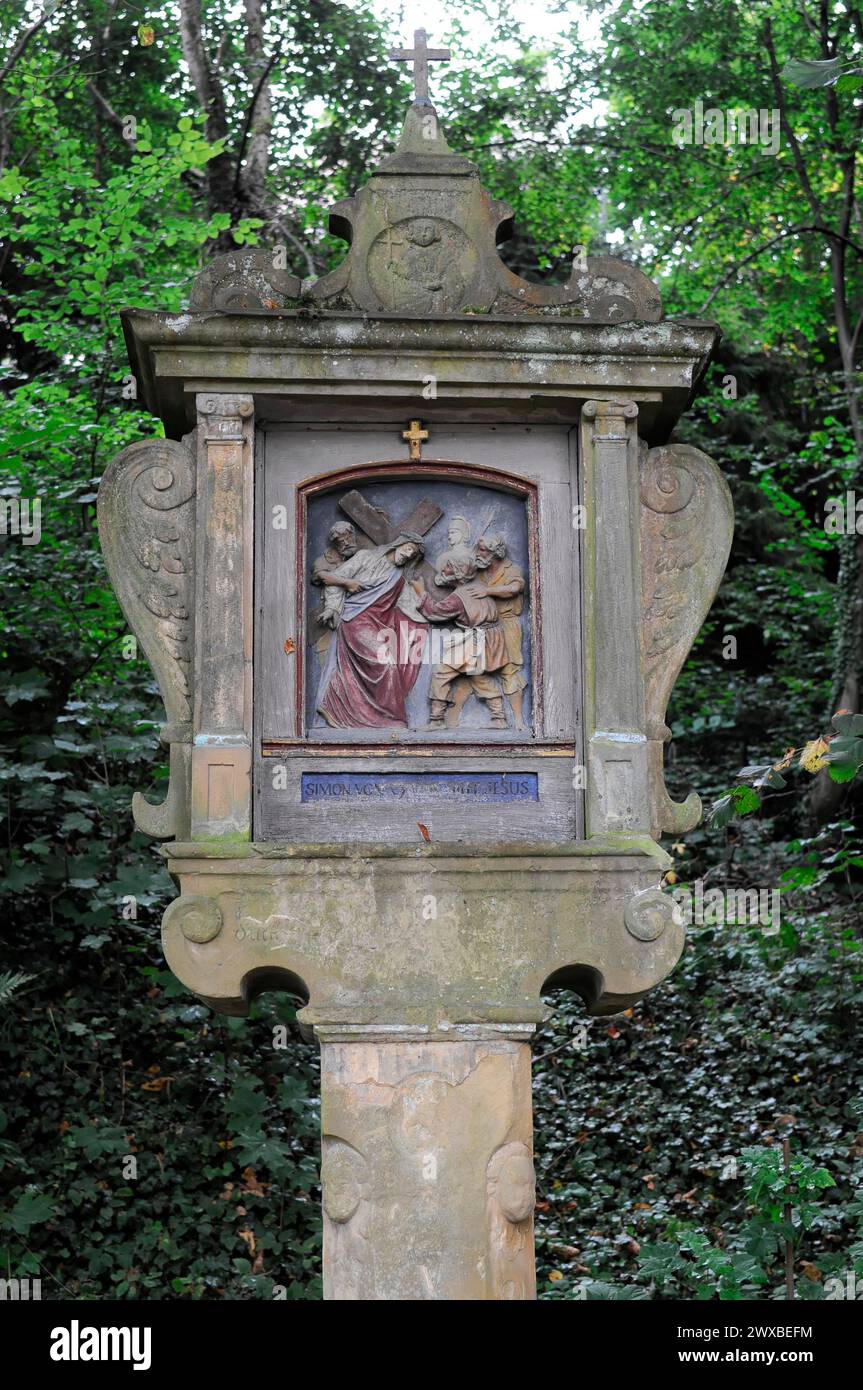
(254, 155)
(207, 83)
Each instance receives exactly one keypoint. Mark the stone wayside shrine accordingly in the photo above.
(416, 569)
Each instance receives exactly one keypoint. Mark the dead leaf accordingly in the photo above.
(812, 758)
(424, 832)
(290, 646)
(251, 1184)
(248, 1236)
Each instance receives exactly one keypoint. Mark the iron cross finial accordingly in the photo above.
(420, 55)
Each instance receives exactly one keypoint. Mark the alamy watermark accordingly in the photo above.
(414, 646)
(21, 516)
(728, 907)
(695, 126)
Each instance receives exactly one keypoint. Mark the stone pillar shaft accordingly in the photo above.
(427, 1170)
(222, 748)
(618, 794)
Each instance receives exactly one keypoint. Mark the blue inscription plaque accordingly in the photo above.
(419, 788)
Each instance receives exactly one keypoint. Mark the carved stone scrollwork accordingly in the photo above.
(244, 280)
(146, 528)
(604, 290)
(687, 522)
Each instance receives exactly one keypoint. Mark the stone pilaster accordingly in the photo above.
(222, 747)
(617, 775)
(427, 1168)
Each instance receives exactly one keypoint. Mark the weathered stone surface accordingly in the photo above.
(244, 280)
(423, 238)
(539, 368)
(437, 938)
(423, 235)
(146, 514)
(221, 753)
(687, 524)
(427, 1168)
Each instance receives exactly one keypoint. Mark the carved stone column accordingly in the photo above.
(427, 1173)
(222, 748)
(618, 794)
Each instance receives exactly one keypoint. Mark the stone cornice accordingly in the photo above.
(299, 354)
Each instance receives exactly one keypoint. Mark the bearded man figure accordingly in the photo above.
(480, 652)
(505, 583)
(368, 675)
(341, 545)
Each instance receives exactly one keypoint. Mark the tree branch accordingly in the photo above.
(753, 255)
(796, 152)
(25, 38)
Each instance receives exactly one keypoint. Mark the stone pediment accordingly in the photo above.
(423, 236)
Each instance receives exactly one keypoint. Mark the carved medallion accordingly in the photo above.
(422, 265)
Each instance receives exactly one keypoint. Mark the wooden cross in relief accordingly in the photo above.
(421, 55)
(376, 523)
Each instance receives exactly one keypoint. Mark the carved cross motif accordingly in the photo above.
(415, 437)
(420, 55)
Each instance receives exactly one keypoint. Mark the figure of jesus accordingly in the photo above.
(362, 684)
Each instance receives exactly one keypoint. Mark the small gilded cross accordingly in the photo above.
(421, 55)
(415, 437)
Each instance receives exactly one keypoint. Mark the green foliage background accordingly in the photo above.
(641, 1134)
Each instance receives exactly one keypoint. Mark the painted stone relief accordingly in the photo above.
(422, 623)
